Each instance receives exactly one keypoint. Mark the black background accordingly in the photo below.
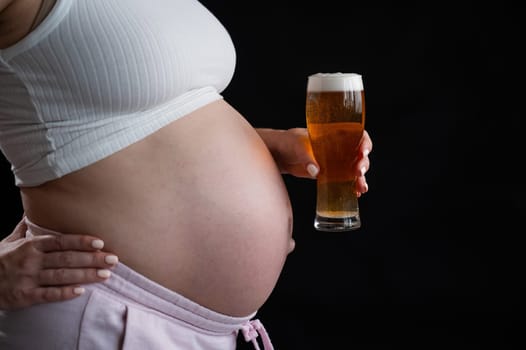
(438, 262)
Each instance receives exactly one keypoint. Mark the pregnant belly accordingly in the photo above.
(231, 214)
(199, 207)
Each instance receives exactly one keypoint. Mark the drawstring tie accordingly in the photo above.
(252, 329)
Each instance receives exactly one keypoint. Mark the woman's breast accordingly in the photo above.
(199, 207)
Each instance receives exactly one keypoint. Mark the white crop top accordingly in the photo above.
(98, 75)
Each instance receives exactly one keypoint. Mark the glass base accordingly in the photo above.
(350, 223)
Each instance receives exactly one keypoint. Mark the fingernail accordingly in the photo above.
(312, 170)
(111, 259)
(366, 152)
(78, 290)
(366, 187)
(362, 170)
(97, 244)
(104, 273)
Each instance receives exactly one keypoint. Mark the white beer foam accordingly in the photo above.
(335, 82)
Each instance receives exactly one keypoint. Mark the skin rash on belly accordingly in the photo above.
(199, 207)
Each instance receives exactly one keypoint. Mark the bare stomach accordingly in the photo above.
(199, 207)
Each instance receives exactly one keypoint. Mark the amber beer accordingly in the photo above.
(335, 112)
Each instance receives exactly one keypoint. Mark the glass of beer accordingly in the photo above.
(335, 111)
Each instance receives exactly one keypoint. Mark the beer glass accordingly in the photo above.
(335, 112)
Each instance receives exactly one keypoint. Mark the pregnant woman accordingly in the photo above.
(112, 119)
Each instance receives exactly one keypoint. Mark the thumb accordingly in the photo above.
(303, 164)
(309, 170)
(313, 169)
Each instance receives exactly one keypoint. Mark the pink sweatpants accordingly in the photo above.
(128, 312)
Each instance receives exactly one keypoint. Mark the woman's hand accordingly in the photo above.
(49, 268)
(292, 152)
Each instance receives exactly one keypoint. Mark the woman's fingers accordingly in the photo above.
(363, 164)
(62, 277)
(72, 259)
(50, 243)
(366, 143)
(361, 186)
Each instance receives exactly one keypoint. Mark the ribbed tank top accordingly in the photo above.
(98, 75)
